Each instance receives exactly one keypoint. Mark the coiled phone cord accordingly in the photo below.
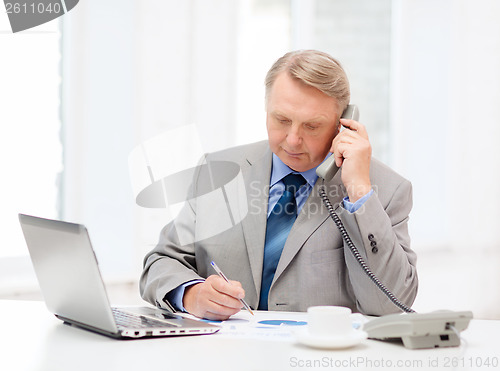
(358, 256)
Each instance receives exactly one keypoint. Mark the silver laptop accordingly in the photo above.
(71, 284)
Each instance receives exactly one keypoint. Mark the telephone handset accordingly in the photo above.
(328, 169)
(439, 329)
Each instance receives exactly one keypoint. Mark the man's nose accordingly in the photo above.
(294, 137)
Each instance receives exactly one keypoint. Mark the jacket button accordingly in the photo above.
(371, 237)
(375, 250)
(373, 243)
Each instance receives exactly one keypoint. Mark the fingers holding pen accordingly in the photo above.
(230, 292)
(214, 298)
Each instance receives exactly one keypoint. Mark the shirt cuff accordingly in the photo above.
(353, 207)
(175, 296)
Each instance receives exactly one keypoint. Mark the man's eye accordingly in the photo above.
(312, 127)
(284, 121)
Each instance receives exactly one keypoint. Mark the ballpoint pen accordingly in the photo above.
(223, 276)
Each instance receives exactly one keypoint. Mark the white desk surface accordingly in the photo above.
(45, 343)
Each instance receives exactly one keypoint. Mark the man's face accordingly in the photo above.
(301, 123)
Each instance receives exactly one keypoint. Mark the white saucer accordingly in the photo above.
(330, 342)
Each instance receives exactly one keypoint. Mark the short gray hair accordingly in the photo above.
(313, 68)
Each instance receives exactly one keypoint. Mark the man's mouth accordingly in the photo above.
(293, 154)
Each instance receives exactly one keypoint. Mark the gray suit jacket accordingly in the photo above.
(316, 267)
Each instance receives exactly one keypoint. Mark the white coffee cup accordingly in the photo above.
(331, 321)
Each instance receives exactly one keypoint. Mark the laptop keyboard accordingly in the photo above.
(131, 320)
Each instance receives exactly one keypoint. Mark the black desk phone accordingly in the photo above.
(416, 330)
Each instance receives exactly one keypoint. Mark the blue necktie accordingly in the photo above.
(279, 223)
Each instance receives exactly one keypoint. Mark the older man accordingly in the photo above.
(287, 254)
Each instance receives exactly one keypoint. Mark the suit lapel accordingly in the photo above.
(312, 215)
(257, 177)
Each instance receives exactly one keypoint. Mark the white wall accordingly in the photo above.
(99, 72)
(186, 56)
(446, 85)
(445, 127)
(421, 106)
(475, 117)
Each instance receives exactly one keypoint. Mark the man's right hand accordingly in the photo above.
(214, 298)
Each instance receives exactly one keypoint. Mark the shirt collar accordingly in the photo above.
(280, 170)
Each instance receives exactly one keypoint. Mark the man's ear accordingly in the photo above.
(338, 127)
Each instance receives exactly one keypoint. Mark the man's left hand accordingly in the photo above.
(352, 150)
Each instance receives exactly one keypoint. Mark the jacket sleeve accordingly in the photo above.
(380, 232)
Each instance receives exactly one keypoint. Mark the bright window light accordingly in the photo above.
(30, 150)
